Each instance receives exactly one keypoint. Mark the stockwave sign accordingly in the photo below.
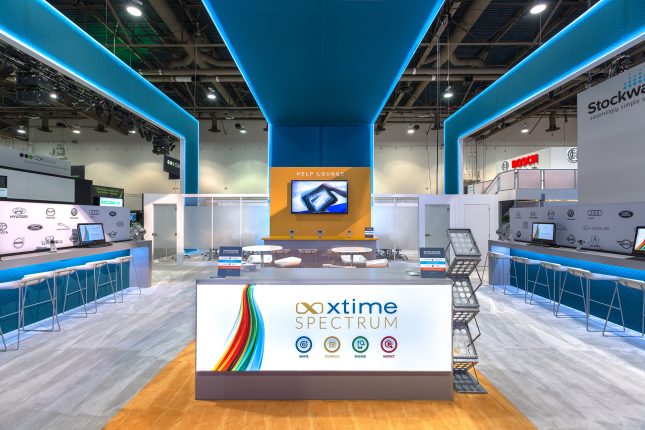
(256, 327)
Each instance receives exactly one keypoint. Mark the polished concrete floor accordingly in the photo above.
(555, 372)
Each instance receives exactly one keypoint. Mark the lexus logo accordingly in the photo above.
(18, 211)
(571, 239)
(95, 212)
(572, 155)
(625, 214)
(571, 213)
(551, 214)
(112, 234)
(74, 211)
(625, 243)
(34, 227)
(50, 212)
(505, 165)
(112, 213)
(594, 212)
(120, 224)
(19, 242)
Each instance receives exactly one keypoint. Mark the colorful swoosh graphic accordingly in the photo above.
(245, 350)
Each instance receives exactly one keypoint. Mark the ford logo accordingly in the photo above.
(112, 213)
(19, 242)
(34, 227)
(626, 214)
(18, 211)
(50, 212)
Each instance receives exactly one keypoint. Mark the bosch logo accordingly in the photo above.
(34, 227)
(571, 213)
(572, 155)
(112, 213)
(120, 223)
(525, 161)
(112, 234)
(18, 213)
(94, 212)
(625, 214)
(3, 228)
(594, 212)
(19, 242)
(551, 214)
(571, 239)
(74, 211)
(505, 165)
(50, 212)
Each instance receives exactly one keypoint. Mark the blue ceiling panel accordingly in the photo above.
(323, 62)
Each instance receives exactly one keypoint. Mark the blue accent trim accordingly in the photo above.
(38, 27)
(600, 290)
(605, 29)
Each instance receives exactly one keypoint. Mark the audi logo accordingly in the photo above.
(74, 211)
(112, 213)
(594, 212)
(95, 212)
(18, 211)
(571, 213)
(34, 227)
(50, 211)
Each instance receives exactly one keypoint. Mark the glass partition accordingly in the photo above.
(506, 180)
(529, 178)
(560, 179)
(396, 224)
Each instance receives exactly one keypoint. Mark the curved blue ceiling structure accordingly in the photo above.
(322, 62)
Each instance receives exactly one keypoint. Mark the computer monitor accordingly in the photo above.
(133, 217)
(639, 241)
(319, 197)
(91, 234)
(543, 232)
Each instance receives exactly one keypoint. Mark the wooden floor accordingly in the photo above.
(167, 402)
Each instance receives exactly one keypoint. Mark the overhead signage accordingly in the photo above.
(30, 226)
(432, 262)
(16, 159)
(111, 192)
(229, 262)
(529, 160)
(295, 327)
(171, 166)
(109, 201)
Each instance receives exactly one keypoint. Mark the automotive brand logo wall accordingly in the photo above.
(112, 213)
(571, 213)
(572, 155)
(594, 212)
(34, 227)
(625, 214)
(74, 212)
(50, 212)
(3, 228)
(19, 242)
(18, 213)
(505, 165)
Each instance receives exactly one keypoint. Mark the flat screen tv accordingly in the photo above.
(543, 232)
(639, 241)
(91, 234)
(318, 197)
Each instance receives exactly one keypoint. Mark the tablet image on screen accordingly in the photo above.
(318, 197)
(91, 233)
(543, 232)
(639, 241)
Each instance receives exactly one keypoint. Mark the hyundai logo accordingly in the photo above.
(594, 212)
(112, 234)
(74, 211)
(18, 211)
(571, 213)
(112, 213)
(34, 227)
(625, 214)
(19, 242)
(50, 212)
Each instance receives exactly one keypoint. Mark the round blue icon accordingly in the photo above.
(303, 344)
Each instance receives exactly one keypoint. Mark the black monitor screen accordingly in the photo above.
(543, 232)
(91, 233)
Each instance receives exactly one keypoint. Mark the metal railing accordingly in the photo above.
(541, 179)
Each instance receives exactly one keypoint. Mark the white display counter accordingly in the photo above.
(324, 334)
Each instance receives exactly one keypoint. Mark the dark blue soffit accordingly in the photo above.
(327, 62)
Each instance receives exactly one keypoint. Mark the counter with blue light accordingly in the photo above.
(15, 267)
(619, 265)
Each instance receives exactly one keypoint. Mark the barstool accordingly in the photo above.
(638, 285)
(495, 257)
(527, 263)
(579, 273)
(589, 277)
(118, 272)
(537, 282)
(128, 259)
(557, 285)
(54, 275)
(95, 267)
(19, 286)
(308, 251)
(79, 291)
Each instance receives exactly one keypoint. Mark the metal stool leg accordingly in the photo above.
(136, 275)
(80, 291)
(611, 306)
(563, 290)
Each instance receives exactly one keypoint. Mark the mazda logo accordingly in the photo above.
(19, 211)
(50, 212)
(625, 214)
(571, 239)
(74, 211)
(571, 213)
(112, 234)
(594, 212)
(112, 213)
(34, 227)
(3, 226)
(19, 242)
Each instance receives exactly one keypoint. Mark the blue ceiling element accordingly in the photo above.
(322, 62)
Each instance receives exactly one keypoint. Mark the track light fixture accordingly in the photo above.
(525, 129)
(413, 128)
(211, 94)
(21, 130)
(134, 7)
(76, 129)
(538, 8)
(448, 93)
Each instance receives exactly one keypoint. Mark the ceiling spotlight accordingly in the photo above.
(132, 129)
(413, 128)
(21, 130)
(134, 7)
(538, 8)
(525, 129)
(76, 129)
(211, 95)
(240, 128)
(53, 95)
(448, 94)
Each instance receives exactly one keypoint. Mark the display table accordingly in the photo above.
(324, 334)
(261, 249)
(321, 244)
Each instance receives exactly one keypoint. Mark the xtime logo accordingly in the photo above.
(346, 314)
(345, 308)
(620, 97)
